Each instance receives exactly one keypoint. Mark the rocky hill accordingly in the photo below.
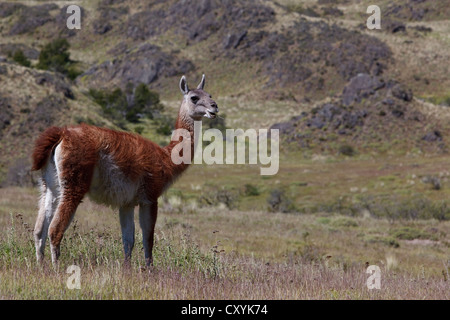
(331, 82)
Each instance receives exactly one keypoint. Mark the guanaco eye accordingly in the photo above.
(194, 99)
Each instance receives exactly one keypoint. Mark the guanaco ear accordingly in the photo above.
(183, 85)
(201, 85)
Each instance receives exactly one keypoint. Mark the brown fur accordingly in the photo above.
(44, 146)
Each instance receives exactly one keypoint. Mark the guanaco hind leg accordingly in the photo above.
(59, 201)
(47, 207)
(61, 221)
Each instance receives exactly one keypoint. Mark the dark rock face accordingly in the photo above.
(9, 8)
(289, 126)
(413, 10)
(198, 20)
(106, 16)
(336, 117)
(57, 81)
(5, 114)
(433, 136)
(143, 65)
(46, 111)
(361, 87)
(60, 21)
(295, 54)
(370, 109)
(32, 17)
(401, 92)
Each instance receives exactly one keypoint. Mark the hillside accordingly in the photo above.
(310, 68)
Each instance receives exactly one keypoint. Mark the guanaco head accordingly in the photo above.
(198, 103)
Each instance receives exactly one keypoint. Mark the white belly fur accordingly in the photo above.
(110, 186)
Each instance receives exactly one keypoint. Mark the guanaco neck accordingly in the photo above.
(184, 121)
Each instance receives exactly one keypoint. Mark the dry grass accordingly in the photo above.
(220, 254)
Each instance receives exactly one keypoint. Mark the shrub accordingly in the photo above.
(132, 105)
(166, 125)
(73, 72)
(251, 190)
(347, 150)
(142, 102)
(55, 56)
(409, 233)
(21, 59)
(139, 129)
(389, 241)
(344, 222)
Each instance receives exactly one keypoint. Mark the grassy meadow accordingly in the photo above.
(218, 252)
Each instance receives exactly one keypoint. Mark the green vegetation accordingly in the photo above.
(409, 233)
(144, 101)
(131, 105)
(21, 59)
(251, 190)
(347, 150)
(443, 100)
(300, 9)
(166, 124)
(55, 56)
(344, 222)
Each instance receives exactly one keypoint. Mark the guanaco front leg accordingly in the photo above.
(147, 219)
(127, 225)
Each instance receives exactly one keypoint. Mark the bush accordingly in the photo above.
(166, 125)
(55, 56)
(73, 72)
(147, 101)
(139, 129)
(142, 102)
(347, 150)
(251, 190)
(132, 105)
(344, 222)
(21, 59)
(389, 241)
(408, 233)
